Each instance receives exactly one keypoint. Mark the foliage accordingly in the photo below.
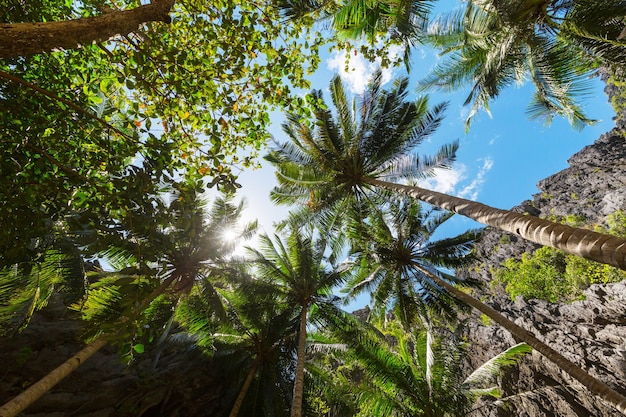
(393, 254)
(169, 100)
(163, 252)
(397, 373)
(551, 275)
(491, 45)
(25, 288)
(327, 158)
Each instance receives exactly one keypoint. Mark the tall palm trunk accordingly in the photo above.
(245, 387)
(599, 247)
(594, 385)
(24, 39)
(298, 385)
(39, 388)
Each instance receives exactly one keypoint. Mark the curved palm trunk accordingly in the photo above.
(594, 385)
(24, 39)
(245, 387)
(298, 386)
(599, 247)
(39, 388)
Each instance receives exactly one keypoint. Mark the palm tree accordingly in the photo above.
(257, 341)
(398, 380)
(28, 286)
(493, 44)
(402, 21)
(384, 250)
(401, 264)
(297, 268)
(158, 252)
(328, 165)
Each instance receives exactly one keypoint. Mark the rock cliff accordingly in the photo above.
(590, 332)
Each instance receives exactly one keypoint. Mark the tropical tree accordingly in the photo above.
(302, 279)
(133, 106)
(328, 164)
(258, 341)
(27, 287)
(157, 252)
(379, 23)
(402, 267)
(401, 374)
(384, 250)
(493, 44)
(27, 38)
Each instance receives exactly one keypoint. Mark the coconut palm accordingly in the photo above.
(492, 44)
(28, 286)
(396, 378)
(160, 249)
(402, 265)
(297, 269)
(403, 20)
(388, 244)
(329, 164)
(258, 342)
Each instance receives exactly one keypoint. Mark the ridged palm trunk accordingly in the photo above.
(24, 39)
(245, 387)
(39, 388)
(298, 385)
(602, 248)
(594, 385)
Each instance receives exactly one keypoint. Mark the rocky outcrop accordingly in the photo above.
(185, 383)
(590, 332)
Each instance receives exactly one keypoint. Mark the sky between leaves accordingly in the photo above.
(499, 162)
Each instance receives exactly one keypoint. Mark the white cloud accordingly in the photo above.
(359, 69)
(445, 180)
(471, 191)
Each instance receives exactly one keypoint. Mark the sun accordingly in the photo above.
(230, 235)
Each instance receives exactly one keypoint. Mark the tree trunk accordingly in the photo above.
(24, 39)
(39, 388)
(298, 385)
(594, 385)
(246, 385)
(599, 247)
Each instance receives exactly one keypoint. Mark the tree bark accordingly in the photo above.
(607, 249)
(39, 388)
(298, 385)
(594, 385)
(25, 39)
(245, 387)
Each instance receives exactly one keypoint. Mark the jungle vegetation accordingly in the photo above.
(115, 127)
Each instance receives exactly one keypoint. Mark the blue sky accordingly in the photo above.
(500, 160)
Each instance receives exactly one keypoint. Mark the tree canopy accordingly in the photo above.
(110, 136)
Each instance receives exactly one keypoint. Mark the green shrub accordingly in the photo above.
(540, 275)
(552, 275)
(617, 223)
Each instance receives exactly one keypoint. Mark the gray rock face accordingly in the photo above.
(592, 332)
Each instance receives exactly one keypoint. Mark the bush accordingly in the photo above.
(552, 275)
(540, 275)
